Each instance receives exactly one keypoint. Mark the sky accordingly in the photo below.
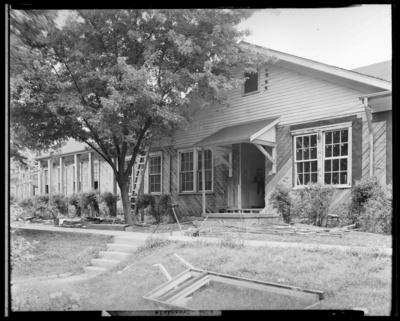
(348, 38)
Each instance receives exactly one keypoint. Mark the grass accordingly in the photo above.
(58, 253)
(349, 279)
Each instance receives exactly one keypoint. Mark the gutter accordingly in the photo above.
(371, 136)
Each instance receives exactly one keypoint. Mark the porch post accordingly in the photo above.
(203, 181)
(114, 179)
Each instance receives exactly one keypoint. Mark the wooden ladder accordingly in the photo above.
(140, 169)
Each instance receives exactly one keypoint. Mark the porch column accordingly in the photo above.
(61, 177)
(50, 176)
(203, 181)
(40, 177)
(76, 173)
(90, 169)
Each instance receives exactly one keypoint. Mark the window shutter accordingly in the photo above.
(251, 83)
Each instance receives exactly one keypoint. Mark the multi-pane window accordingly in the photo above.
(73, 178)
(326, 148)
(207, 170)
(46, 182)
(251, 83)
(306, 159)
(96, 175)
(155, 174)
(80, 176)
(190, 163)
(336, 155)
(186, 172)
(59, 179)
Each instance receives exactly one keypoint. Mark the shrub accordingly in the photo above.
(163, 203)
(378, 211)
(361, 192)
(281, 200)
(145, 200)
(316, 199)
(89, 200)
(60, 202)
(110, 200)
(26, 202)
(41, 199)
(43, 210)
(74, 200)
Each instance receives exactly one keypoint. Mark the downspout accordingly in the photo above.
(371, 137)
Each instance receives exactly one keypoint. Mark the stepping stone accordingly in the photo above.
(113, 255)
(92, 270)
(105, 263)
(129, 240)
(121, 247)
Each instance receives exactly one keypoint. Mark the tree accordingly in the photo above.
(117, 79)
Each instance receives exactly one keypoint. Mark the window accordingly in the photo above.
(322, 155)
(251, 83)
(189, 165)
(80, 176)
(73, 178)
(46, 182)
(306, 159)
(155, 176)
(59, 179)
(96, 175)
(207, 171)
(336, 156)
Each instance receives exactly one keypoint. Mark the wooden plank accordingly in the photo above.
(262, 150)
(263, 142)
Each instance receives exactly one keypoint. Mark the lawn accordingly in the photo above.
(59, 253)
(349, 279)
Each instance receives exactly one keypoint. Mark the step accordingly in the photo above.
(121, 247)
(104, 263)
(92, 270)
(129, 240)
(113, 255)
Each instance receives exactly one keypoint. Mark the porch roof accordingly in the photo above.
(261, 130)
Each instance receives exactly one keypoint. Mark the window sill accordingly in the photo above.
(334, 186)
(195, 193)
(252, 93)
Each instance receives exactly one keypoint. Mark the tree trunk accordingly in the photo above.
(126, 202)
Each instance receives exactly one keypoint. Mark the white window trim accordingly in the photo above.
(195, 165)
(96, 161)
(258, 85)
(155, 154)
(320, 130)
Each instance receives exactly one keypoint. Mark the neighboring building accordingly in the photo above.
(296, 121)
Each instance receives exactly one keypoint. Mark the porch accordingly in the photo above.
(249, 152)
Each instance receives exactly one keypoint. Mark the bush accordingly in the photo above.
(378, 211)
(110, 200)
(362, 191)
(163, 203)
(60, 202)
(74, 200)
(145, 200)
(43, 211)
(281, 200)
(89, 200)
(41, 199)
(26, 202)
(316, 200)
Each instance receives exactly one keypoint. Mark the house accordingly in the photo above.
(295, 121)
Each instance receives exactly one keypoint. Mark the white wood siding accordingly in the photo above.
(292, 96)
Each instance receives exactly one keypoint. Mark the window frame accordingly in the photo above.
(96, 162)
(258, 84)
(320, 131)
(155, 154)
(195, 190)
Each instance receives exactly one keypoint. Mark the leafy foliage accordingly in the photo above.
(281, 200)
(316, 199)
(110, 200)
(74, 200)
(89, 200)
(163, 203)
(114, 78)
(60, 202)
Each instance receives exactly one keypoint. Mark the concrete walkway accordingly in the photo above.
(176, 236)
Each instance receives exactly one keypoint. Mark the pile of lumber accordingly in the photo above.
(218, 229)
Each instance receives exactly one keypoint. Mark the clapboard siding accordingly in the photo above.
(191, 204)
(292, 96)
